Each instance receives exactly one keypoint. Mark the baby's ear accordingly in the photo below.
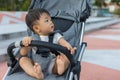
(36, 28)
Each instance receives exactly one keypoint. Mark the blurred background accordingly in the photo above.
(106, 8)
(14, 5)
(102, 34)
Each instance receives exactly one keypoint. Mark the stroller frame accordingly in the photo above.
(73, 72)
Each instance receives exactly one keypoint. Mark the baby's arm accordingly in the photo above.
(64, 43)
(25, 41)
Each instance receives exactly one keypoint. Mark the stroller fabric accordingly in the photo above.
(68, 10)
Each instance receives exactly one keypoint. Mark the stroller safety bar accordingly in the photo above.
(37, 43)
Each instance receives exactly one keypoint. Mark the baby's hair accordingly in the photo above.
(33, 15)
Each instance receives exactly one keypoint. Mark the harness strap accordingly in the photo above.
(44, 52)
(51, 36)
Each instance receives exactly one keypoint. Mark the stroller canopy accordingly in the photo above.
(68, 9)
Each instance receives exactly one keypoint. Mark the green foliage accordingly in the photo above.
(115, 0)
(99, 3)
(14, 5)
(26, 5)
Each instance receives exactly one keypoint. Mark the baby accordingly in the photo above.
(39, 21)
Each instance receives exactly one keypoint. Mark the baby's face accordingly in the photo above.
(46, 25)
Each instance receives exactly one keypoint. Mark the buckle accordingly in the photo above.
(44, 54)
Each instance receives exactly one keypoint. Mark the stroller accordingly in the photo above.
(69, 16)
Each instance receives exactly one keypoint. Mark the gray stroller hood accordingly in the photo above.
(68, 9)
(71, 13)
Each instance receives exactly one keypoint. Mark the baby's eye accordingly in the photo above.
(46, 20)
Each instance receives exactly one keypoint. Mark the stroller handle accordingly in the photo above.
(37, 43)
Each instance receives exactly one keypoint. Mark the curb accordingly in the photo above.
(92, 27)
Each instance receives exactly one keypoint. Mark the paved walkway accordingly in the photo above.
(102, 56)
(3, 69)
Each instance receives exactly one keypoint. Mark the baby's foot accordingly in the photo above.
(62, 63)
(38, 71)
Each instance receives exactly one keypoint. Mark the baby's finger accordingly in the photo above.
(29, 40)
(72, 51)
(75, 48)
(24, 41)
(69, 48)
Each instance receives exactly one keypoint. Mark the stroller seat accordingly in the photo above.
(68, 16)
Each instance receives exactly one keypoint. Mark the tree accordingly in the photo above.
(99, 3)
(14, 5)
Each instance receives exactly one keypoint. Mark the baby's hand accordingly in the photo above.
(26, 41)
(73, 50)
(69, 47)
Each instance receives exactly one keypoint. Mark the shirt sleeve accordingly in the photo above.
(56, 38)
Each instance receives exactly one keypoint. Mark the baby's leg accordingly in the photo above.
(31, 69)
(61, 64)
